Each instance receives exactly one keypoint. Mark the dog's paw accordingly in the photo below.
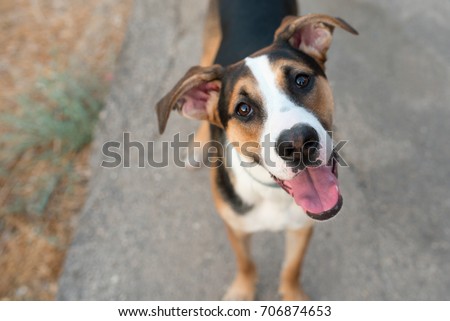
(238, 294)
(242, 289)
(293, 294)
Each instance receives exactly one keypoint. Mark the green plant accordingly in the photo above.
(55, 121)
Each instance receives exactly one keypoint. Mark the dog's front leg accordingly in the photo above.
(243, 286)
(296, 244)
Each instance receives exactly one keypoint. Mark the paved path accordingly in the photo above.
(148, 234)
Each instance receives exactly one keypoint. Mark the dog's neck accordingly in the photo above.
(253, 170)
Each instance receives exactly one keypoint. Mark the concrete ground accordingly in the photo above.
(152, 234)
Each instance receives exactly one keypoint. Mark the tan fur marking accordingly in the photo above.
(319, 100)
(323, 105)
(248, 83)
(240, 132)
(202, 133)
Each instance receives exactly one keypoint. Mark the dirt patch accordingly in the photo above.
(40, 38)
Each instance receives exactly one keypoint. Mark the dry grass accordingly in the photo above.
(41, 39)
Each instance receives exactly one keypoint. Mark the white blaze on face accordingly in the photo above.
(282, 114)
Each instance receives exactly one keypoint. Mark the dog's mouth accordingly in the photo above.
(316, 190)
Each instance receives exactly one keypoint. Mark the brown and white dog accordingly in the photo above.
(267, 94)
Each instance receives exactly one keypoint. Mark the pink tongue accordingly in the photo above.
(315, 189)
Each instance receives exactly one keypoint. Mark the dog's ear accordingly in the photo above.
(195, 96)
(311, 33)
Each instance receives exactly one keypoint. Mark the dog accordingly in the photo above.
(262, 87)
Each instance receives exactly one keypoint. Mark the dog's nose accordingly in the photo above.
(299, 145)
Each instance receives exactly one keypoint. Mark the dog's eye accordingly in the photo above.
(302, 80)
(243, 110)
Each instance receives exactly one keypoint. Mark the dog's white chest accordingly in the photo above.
(273, 209)
(273, 216)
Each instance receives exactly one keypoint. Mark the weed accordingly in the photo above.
(55, 122)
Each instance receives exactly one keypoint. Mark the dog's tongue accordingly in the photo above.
(315, 189)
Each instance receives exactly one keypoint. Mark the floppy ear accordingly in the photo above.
(195, 96)
(311, 33)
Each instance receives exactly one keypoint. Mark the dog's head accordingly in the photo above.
(278, 103)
